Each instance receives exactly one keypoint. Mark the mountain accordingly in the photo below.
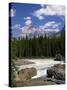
(61, 32)
(31, 31)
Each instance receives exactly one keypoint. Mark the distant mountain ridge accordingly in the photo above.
(61, 32)
(31, 31)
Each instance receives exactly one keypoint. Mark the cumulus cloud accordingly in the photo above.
(56, 25)
(27, 18)
(26, 28)
(40, 17)
(50, 26)
(49, 10)
(28, 22)
(12, 12)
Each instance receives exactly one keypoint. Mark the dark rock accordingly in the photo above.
(57, 72)
(59, 57)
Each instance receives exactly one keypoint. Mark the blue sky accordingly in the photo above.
(22, 15)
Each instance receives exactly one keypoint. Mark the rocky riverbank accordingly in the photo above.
(26, 74)
(23, 62)
(55, 75)
(57, 72)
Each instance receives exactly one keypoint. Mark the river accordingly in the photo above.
(41, 66)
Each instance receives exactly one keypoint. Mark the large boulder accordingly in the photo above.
(27, 73)
(57, 72)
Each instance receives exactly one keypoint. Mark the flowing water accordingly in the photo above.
(41, 66)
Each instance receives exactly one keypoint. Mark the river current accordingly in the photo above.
(41, 66)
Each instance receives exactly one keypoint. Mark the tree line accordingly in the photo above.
(41, 47)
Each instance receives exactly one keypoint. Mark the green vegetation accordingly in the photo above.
(41, 47)
(38, 47)
(13, 76)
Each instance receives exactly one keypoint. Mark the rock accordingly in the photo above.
(59, 57)
(27, 73)
(57, 72)
(60, 66)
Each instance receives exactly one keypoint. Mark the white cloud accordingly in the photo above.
(50, 26)
(40, 17)
(28, 22)
(12, 12)
(39, 13)
(56, 25)
(17, 26)
(49, 10)
(27, 18)
(26, 28)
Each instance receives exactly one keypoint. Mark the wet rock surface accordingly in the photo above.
(59, 57)
(57, 72)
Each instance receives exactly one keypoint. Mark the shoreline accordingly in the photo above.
(34, 58)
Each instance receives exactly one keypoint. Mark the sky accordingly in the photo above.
(41, 16)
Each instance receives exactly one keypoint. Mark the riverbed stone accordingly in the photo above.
(59, 57)
(27, 73)
(57, 72)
